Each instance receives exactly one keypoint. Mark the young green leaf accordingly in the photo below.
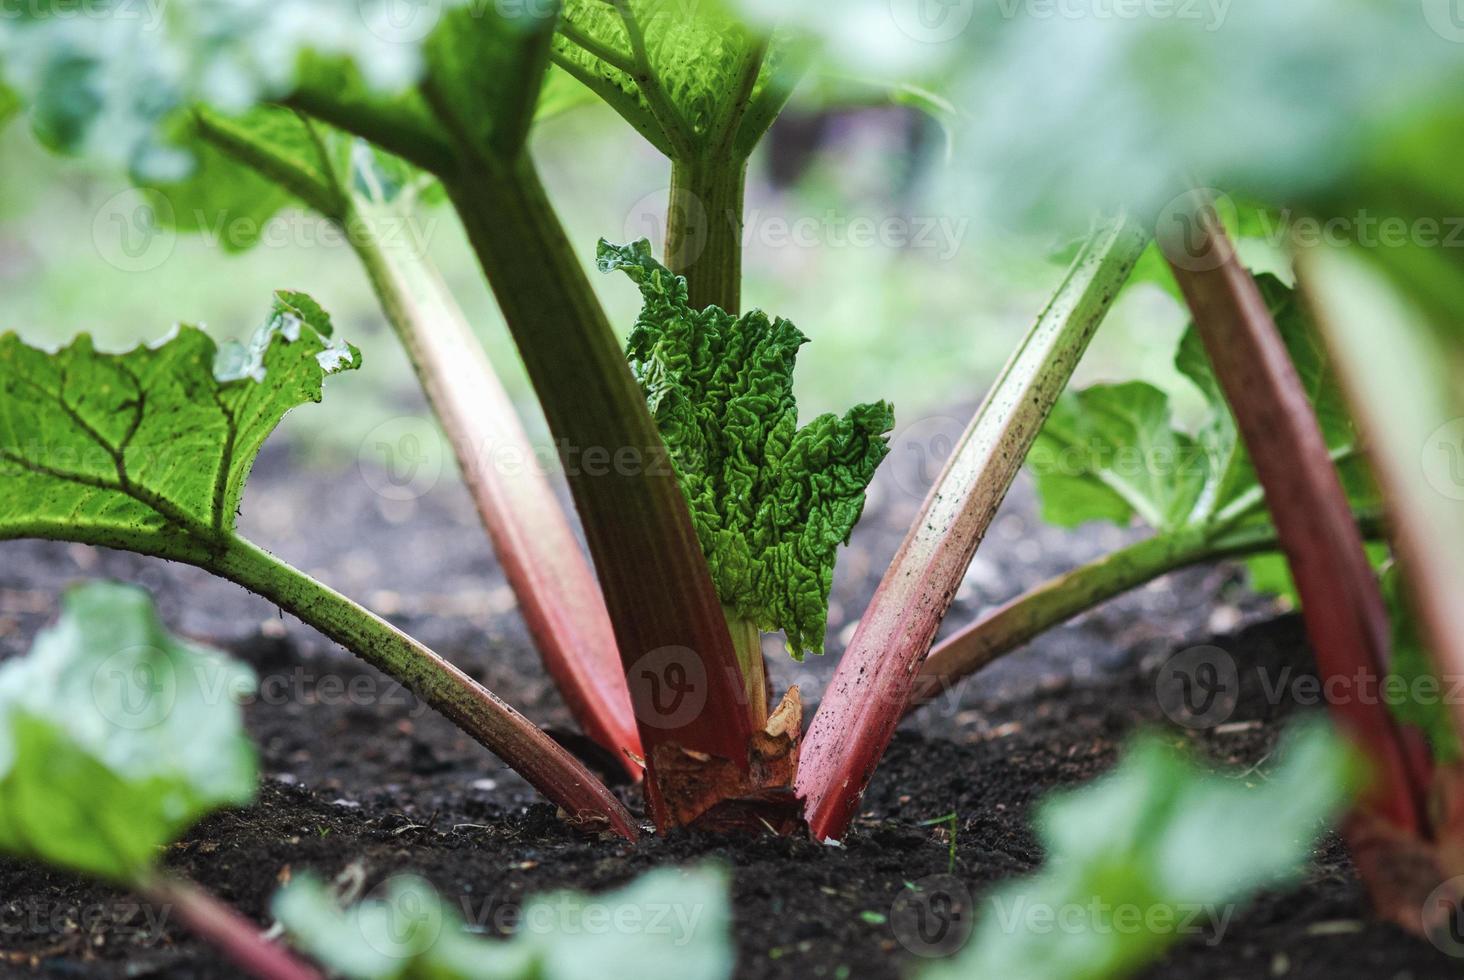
(407, 930)
(1160, 838)
(771, 501)
(1113, 452)
(148, 450)
(115, 737)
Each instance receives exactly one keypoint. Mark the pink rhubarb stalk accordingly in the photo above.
(556, 589)
(234, 936)
(1341, 601)
(876, 675)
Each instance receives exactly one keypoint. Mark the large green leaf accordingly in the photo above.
(104, 84)
(149, 450)
(667, 923)
(771, 501)
(115, 737)
(683, 74)
(1156, 841)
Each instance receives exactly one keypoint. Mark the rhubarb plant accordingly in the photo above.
(244, 109)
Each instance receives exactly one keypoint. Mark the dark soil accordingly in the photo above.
(358, 776)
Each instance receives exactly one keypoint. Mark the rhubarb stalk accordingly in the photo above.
(541, 558)
(877, 673)
(226, 930)
(1341, 602)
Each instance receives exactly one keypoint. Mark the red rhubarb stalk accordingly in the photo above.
(876, 675)
(556, 589)
(238, 939)
(1340, 598)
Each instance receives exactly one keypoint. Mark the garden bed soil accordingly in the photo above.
(358, 776)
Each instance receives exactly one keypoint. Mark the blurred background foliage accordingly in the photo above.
(912, 230)
(922, 312)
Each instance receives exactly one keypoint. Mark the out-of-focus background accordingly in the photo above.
(908, 293)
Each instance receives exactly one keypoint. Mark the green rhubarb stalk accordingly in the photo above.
(494, 724)
(1059, 599)
(704, 230)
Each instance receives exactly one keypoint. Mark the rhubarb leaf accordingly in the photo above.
(771, 501)
(670, 70)
(148, 450)
(115, 736)
(1161, 838)
(406, 930)
(1113, 452)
